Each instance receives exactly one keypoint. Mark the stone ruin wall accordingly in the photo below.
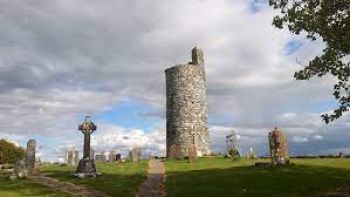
(186, 111)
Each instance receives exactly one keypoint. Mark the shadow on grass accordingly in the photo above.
(114, 185)
(24, 187)
(122, 180)
(298, 180)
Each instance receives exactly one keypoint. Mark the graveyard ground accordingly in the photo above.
(207, 177)
(222, 177)
(118, 179)
(24, 187)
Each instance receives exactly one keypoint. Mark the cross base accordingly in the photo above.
(86, 168)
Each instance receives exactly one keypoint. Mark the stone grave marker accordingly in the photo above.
(278, 147)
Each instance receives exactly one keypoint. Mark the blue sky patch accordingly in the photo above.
(292, 46)
(223, 120)
(131, 114)
(324, 106)
(257, 5)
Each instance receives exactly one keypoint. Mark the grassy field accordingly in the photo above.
(223, 177)
(23, 187)
(120, 179)
(207, 177)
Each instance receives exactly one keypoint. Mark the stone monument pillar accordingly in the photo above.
(111, 156)
(135, 154)
(278, 147)
(30, 158)
(87, 165)
(30, 154)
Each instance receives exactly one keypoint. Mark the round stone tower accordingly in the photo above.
(186, 112)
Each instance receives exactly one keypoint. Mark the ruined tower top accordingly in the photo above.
(197, 56)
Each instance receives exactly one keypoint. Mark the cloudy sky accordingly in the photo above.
(63, 59)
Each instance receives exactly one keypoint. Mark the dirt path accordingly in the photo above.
(154, 184)
(71, 188)
(343, 191)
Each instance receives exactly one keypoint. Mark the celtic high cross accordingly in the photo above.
(87, 128)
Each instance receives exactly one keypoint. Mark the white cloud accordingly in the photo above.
(299, 139)
(115, 138)
(318, 137)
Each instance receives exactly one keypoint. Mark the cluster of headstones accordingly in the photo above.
(27, 166)
(112, 157)
(135, 155)
(277, 144)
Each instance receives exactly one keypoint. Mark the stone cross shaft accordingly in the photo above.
(87, 128)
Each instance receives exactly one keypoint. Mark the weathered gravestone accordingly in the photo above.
(251, 154)
(118, 157)
(27, 167)
(111, 156)
(30, 158)
(100, 158)
(231, 144)
(278, 147)
(19, 170)
(86, 166)
(341, 155)
(72, 157)
(30, 154)
(135, 154)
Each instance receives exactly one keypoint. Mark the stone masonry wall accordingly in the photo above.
(186, 111)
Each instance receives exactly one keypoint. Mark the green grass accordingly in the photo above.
(223, 177)
(207, 177)
(23, 187)
(118, 179)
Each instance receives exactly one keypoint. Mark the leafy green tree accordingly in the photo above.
(327, 20)
(10, 153)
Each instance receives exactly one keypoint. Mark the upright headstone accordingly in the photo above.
(76, 157)
(30, 158)
(135, 154)
(19, 170)
(72, 156)
(30, 154)
(86, 166)
(111, 156)
(278, 147)
(251, 154)
(341, 155)
(100, 158)
(26, 167)
(118, 157)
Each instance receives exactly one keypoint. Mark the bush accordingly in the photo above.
(9, 152)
